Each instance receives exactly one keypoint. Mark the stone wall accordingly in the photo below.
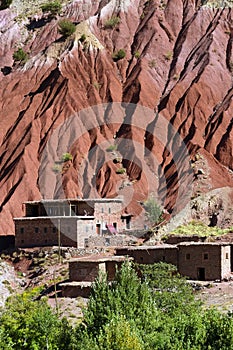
(150, 255)
(204, 261)
(31, 232)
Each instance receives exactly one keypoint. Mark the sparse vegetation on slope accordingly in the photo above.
(200, 229)
(66, 27)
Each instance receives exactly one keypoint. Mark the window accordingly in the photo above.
(36, 229)
(187, 256)
(227, 256)
(205, 256)
(54, 229)
(164, 258)
(102, 210)
(21, 229)
(45, 230)
(109, 210)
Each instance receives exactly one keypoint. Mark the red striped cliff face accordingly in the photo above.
(178, 62)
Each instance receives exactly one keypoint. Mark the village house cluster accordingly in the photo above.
(75, 222)
(69, 222)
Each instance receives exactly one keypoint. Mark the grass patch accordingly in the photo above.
(111, 148)
(112, 22)
(200, 229)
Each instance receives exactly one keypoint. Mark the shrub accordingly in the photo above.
(83, 38)
(168, 55)
(56, 169)
(153, 210)
(20, 56)
(66, 27)
(119, 55)
(137, 54)
(53, 8)
(112, 22)
(121, 171)
(152, 63)
(111, 148)
(66, 157)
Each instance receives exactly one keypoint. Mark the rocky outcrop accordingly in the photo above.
(178, 71)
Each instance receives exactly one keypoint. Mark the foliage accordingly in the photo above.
(200, 229)
(120, 54)
(119, 334)
(83, 38)
(168, 56)
(121, 171)
(26, 324)
(146, 307)
(112, 22)
(153, 210)
(66, 157)
(66, 27)
(111, 148)
(137, 54)
(56, 168)
(4, 4)
(152, 63)
(20, 56)
(53, 8)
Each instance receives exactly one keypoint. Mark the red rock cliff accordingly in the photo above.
(178, 62)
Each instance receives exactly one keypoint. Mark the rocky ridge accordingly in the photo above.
(178, 63)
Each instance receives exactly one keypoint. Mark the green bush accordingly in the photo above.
(137, 54)
(53, 8)
(119, 55)
(66, 157)
(83, 38)
(121, 171)
(20, 56)
(112, 22)
(153, 210)
(66, 27)
(111, 148)
(4, 4)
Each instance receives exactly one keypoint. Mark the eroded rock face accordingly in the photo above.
(178, 63)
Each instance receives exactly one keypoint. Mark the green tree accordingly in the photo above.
(66, 27)
(32, 325)
(153, 210)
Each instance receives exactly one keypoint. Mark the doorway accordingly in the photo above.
(201, 273)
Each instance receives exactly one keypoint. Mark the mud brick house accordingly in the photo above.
(68, 222)
(204, 261)
(196, 260)
(83, 271)
(151, 254)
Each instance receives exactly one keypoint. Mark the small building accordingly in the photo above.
(195, 260)
(204, 260)
(67, 222)
(151, 254)
(83, 272)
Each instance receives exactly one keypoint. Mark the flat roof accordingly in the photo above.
(83, 217)
(203, 243)
(100, 258)
(149, 247)
(85, 200)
